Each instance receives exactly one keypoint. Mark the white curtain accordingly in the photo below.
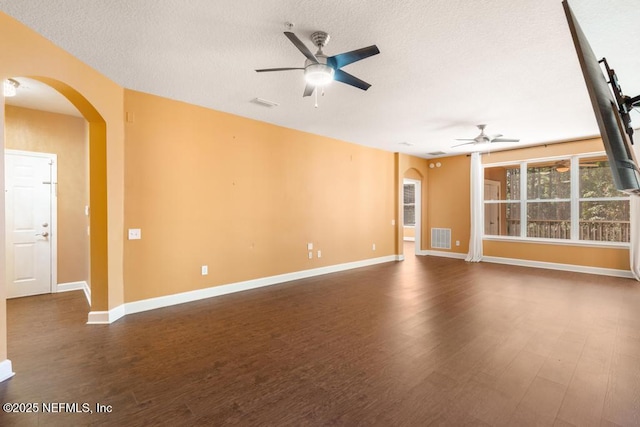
(477, 209)
(634, 249)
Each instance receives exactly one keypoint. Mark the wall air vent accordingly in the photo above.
(264, 102)
(441, 238)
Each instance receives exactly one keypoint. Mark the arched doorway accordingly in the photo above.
(96, 137)
(412, 209)
(46, 192)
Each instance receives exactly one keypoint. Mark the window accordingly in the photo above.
(571, 198)
(409, 201)
(549, 199)
(604, 211)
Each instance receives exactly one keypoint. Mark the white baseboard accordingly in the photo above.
(105, 317)
(75, 286)
(6, 370)
(444, 254)
(557, 266)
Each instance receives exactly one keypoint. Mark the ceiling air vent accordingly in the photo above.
(264, 102)
(436, 153)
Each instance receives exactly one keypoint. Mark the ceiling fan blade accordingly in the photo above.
(344, 77)
(466, 143)
(346, 58)
(308, 90)
(466, 139)
(277, 69)
(504, 140)
(301, 46)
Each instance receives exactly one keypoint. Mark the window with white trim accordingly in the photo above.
(409, 201)
(570, 198)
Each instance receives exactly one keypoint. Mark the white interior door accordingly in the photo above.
(29, 202)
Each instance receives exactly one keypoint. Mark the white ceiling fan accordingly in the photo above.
(483, 138)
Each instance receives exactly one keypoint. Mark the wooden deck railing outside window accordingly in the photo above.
(602, 231)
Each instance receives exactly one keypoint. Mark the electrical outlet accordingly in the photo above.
(309, 246)
(135, 234)
(373, 247)
(205, 270)
(393, 222)
(310, 255)
(457, 242)
(319, 253)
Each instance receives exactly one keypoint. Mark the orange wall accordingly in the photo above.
(616, 258)
(590, 145)
(449, 201)
(409, 232)
(32, 130)
(243, 197)
(603, 257)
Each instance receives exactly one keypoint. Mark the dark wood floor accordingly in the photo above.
(420, 342)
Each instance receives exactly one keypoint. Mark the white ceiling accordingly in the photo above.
(445, 65)
(39, 96)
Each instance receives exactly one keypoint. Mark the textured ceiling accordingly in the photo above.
(445, 65)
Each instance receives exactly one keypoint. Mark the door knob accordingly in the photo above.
(44, 234)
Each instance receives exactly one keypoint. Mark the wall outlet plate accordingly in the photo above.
(309, 246)
(135, 234)
(205, 270)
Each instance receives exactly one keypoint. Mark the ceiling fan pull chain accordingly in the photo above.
(316, 99)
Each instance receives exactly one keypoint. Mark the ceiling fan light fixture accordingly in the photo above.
(562, 169)
(10, 88)
(318, 74)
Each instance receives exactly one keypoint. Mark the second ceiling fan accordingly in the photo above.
(484, 138)
(320, 69)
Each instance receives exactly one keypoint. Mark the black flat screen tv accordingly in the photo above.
(615, 130)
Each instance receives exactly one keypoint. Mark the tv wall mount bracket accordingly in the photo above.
(625, 103)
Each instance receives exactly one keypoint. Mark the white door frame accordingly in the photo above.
(418, 212)
(54, 209)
